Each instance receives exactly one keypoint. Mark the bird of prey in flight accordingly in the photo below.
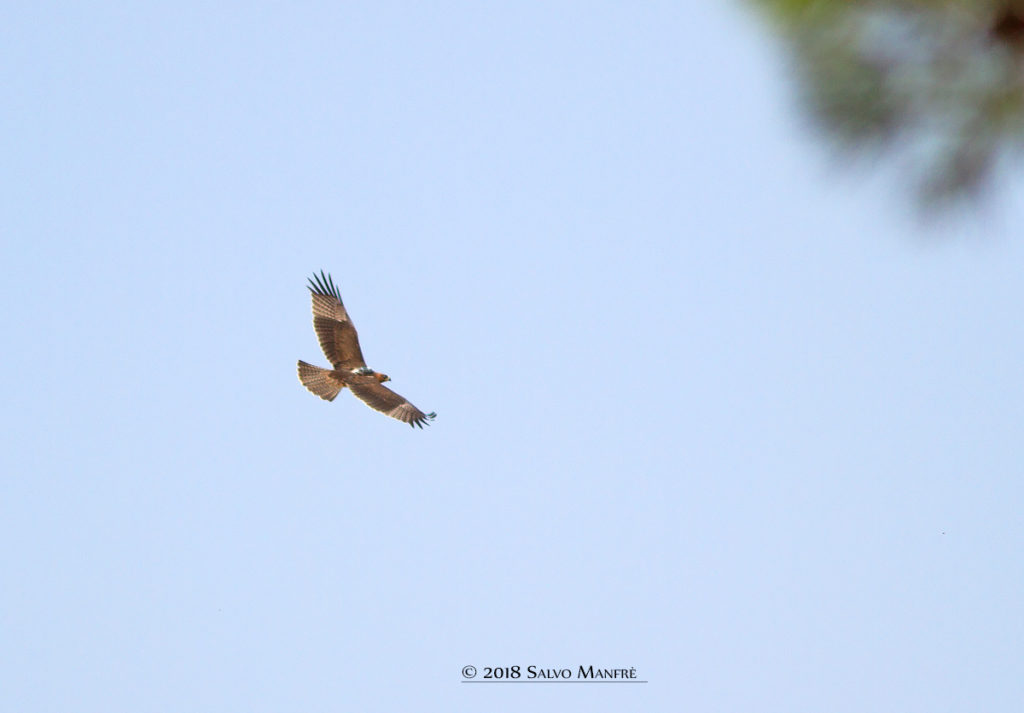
(340, 343)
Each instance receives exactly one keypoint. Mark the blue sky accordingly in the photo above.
(708, 405)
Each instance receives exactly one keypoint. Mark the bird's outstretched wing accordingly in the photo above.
(383, 399)
(334, 329)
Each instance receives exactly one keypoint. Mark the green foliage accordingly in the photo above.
(939, 82)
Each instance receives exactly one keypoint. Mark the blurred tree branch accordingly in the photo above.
(941, 81)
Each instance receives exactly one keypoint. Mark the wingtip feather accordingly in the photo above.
(323, 284)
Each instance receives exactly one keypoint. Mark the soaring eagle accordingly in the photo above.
(340, 343)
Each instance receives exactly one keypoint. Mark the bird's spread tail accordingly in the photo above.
(319, 381)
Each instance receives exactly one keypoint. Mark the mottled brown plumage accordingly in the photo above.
(340, 343)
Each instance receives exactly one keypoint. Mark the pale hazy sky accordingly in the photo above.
(708, 405)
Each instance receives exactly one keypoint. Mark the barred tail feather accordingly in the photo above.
(319, 381)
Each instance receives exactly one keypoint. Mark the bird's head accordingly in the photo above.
(382, 377)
